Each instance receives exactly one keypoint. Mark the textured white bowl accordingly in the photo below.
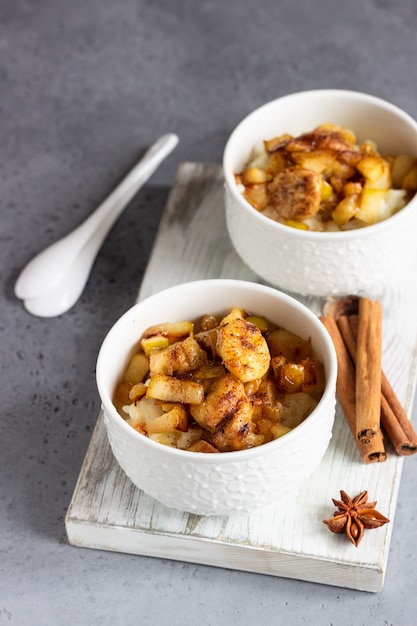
(209, 484)
(365, 261)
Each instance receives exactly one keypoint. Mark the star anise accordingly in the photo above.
(354, 516)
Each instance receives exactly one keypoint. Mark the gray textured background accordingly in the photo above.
(85, 88)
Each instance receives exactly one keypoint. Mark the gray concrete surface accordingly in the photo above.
(85, 87)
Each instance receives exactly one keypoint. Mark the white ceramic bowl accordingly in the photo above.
(366, 261)
(209, 484)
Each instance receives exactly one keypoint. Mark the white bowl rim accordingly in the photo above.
(366, 231)
(237, 455)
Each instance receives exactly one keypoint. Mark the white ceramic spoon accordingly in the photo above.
(64, 267)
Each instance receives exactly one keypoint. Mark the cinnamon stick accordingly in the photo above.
(398, 427)
(393, 417)
(348, 326)
(368, 370)
(346, 392)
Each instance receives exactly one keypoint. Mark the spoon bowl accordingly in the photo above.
(67, 290)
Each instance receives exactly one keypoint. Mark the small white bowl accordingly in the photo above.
(364, 261)
(215, 484)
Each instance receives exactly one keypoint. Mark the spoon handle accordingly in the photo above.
(46, 269)
(108, 212)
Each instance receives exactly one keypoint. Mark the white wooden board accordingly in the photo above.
(288, 539)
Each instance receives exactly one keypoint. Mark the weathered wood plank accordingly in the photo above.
(289, 539)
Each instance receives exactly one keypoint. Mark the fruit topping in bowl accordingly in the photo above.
(221, 384)
(323, 180)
